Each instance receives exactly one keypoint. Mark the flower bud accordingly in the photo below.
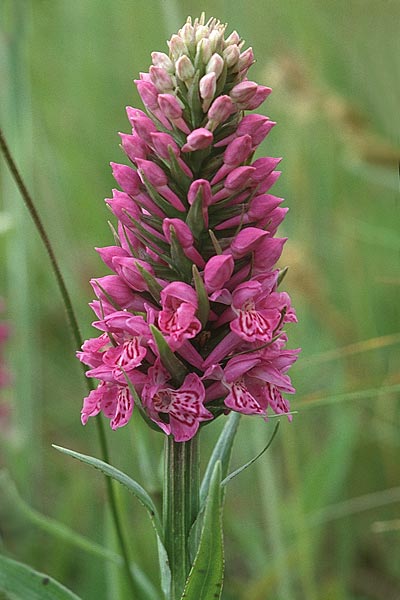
(203, 51)
(160, 59)
(187, 34)
(243, 92)
(217, 271)
(198, 140)
(232, 39)
(184, 68)
(201, 32)
(148, 93)
(161, 79)
(216, 38)
(162, 142)
(246, 59)
(134, 146)
(203, 186)
(231, 55)
(152, 172)
(219, 111)
(141, 123)
(126, 177)
(261, 94)
(177, 47)
(215, 65)
(170, 106)
(207, 86)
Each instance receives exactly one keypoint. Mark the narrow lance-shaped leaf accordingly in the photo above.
(21, 581)
(222, 452)
(139, 405)
(253, 460)
(206, 575)
(133, 486)
(170, 361)
(179, 260)
(163, 204)
(178, 173)
(151, 282)
(195, 218)
(202, 296)
(165, 571)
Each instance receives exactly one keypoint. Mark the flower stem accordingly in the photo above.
(72, 320)
(180, 506)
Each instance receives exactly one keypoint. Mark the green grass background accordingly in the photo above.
(318, 516)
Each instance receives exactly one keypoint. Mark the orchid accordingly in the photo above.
(191, 318)
(196, 250)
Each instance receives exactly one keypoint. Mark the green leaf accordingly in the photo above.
(163, 204)
(222, 452)
(168, 358)
(165, 571)
(151, 282)
(178, 174)
(282, 275)
(204, 306)
(135, 488)
(25, 583)
(151, 238)
(195, 219)
(206, 575)
(194, 100)
(221, 81)
(179, 260)
(139, 405)
(253, 460)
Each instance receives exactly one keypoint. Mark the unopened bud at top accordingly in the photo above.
(215, 65)
(232, 39)
(246, 59)
(207, 86)
(216, 38)
(177, 47)
(184, 68)
(187, 34)
(161, 79)
(231, 55)
(160, 59)
(219, 111)
(201, 32)
(204, 51)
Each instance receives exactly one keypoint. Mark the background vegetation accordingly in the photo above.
(318, 516)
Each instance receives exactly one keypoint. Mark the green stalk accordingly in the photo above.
(180, 506)
(78, 341)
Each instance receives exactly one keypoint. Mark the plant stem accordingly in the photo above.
(180, 506)
(78, 341)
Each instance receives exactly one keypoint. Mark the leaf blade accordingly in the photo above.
(133, 486)
(25, 582)
(206, 576)
(251, 461)
(222, 451)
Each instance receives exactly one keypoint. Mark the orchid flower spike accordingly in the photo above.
(191, 319)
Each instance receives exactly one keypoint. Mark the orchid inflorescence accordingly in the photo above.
(192, 320)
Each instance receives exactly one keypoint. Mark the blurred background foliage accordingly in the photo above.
(318, 516)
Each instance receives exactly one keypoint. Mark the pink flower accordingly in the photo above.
(115, 401)
(255, 320)
(184, 406)
(177, 317)
(218, 271)
(257, 381)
